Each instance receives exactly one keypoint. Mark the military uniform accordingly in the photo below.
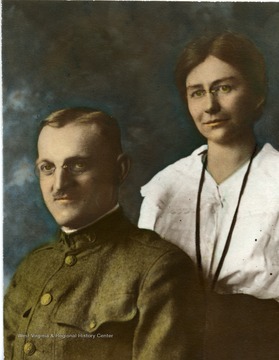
(110, 291)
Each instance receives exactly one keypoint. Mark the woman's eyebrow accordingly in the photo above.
(215, 82)
(229, 78)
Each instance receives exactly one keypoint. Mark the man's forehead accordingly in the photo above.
(71, 130)
(69, 140)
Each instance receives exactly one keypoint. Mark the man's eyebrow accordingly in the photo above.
(69, 159)
(215, 82)
(77, 158)
(39, 161)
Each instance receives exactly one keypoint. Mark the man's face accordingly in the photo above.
(220, 101)
(78, 173)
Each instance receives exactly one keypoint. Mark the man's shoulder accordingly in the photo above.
(36, 255)
(145, 252)
(45, 247)
(149, 243)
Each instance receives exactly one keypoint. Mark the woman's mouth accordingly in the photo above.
(215, 122)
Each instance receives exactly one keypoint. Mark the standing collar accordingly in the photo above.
(71, 231)
(104, 228)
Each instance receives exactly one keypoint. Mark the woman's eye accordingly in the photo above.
(79, 165)
(198, 93)
(225, 89)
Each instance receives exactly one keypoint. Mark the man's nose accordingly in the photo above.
(212, 105)
(62, 179)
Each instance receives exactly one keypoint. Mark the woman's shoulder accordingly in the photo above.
(269, 157)
(182, 165)
(269, 150)
(266, 165)
(173, 174)
(193, 159)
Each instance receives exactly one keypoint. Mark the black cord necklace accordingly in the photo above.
(228, 241)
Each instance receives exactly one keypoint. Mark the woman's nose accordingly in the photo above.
(212, 105)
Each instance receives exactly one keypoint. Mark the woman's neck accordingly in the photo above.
(223, 159)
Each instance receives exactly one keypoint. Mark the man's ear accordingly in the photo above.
(123, 164)
(260, 102)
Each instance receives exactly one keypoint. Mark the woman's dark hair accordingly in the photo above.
(232, 48)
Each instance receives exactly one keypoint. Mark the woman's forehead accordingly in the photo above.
(211, 70)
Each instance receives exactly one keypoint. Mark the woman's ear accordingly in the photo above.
(124, 164)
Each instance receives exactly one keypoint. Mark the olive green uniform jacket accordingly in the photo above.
(111, 291)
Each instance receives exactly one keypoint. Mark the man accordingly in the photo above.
(104, 289)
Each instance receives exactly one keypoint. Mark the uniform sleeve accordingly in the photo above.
(14, 302)
(171, 312)
(19, 296)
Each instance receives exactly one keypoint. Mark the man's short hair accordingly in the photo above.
(232, 48)
(107, 125)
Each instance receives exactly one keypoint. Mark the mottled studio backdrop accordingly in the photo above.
(118, 56)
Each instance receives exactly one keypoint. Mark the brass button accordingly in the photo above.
(29, 348)
(70, 260)
(92, 325)
(46, 299)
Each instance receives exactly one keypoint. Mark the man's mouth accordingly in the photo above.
(63, 198)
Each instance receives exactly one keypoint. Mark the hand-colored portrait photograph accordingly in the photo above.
(140, 180)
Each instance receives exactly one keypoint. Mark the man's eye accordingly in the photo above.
(46, 168)
(77, 166)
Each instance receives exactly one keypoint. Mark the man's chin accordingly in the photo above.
(68, 222)
(72, 223)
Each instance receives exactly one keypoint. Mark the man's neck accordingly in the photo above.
(70, 230)
(224, 160)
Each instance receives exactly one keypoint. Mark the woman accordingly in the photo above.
(221, 203)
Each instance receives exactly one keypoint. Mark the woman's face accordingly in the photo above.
(220, 101)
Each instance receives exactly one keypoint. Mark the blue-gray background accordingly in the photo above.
(118, 56)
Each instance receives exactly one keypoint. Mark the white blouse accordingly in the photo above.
(251, 265)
